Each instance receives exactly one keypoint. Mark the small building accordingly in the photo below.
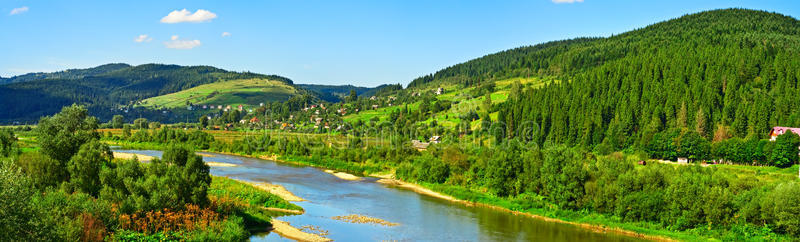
(683, 160)
(778, 130)
(439, 91)
(240, 107)
(419, 145)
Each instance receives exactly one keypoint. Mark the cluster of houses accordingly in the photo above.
(438, 91)
(219, 107)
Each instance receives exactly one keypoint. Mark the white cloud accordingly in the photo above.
(143, 38)
(187, 16)
(176, 43)
(226, 34)
(567, 1)
(18, 10)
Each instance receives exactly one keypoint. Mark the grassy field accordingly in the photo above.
(462, 100)
(249, 92)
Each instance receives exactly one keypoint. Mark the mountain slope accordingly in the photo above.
(29, 99)
(722, 73)
(66, 74)
(249, 92)
(335, 93)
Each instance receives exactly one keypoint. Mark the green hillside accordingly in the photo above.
(106, 88)
(249, 92)
(722, 73)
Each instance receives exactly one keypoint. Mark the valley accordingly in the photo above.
(683, 130)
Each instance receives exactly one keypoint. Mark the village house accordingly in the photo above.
(419, 145)
(778, 130)
(439, 91)
(241, 107)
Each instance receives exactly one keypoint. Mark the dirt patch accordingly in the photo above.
(286, 230)
(344, 176)
(419, 189)
(278, 190)
(389, 175)
(220, 164)
(128, 156)
(361, 219)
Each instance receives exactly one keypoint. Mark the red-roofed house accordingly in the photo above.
(778, 130)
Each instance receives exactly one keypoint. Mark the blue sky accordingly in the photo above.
(327, 42)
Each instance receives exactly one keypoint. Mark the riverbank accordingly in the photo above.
(288, 231)
(343, 175)
(277, 190)
(128, 156)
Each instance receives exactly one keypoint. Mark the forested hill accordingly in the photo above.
(28, 97)
(66, 74)
(723, 28)
(336, 93)
(722, 73)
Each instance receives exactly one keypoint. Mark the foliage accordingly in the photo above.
(19, 219)
(8, 140)
(786, 151)
(61, 135)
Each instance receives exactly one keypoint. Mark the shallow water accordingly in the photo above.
(420, 217)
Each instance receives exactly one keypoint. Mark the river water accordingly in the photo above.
(421, 218)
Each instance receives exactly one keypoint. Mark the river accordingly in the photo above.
(421, 218)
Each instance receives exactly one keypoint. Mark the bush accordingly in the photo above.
(782, 208)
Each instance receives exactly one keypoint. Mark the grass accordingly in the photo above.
(249, 92)
(334, 164)
(763, 173)
(223, 187)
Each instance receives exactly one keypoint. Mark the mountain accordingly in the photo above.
(336, 93)
(107, 87)
(720, 74)
(67, 74)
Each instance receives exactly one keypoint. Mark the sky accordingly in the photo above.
(364, 43)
